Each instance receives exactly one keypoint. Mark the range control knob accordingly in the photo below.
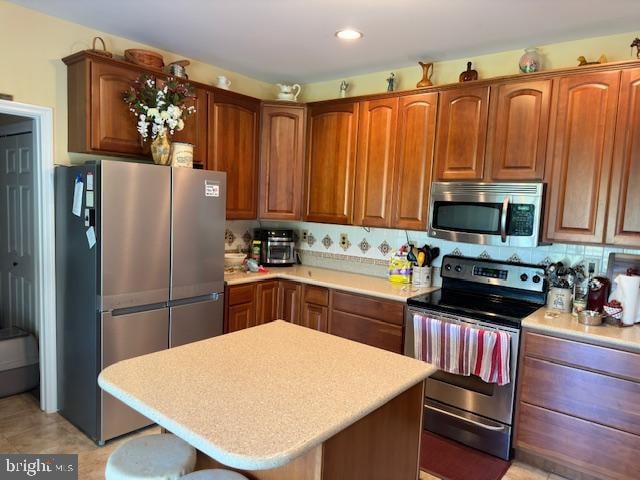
(536, 279)
(524, 277)
(458, 268)
(447, 267)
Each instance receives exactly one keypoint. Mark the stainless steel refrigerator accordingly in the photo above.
(153, 279)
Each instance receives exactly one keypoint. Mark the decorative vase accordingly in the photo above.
(427, 72)
(469, 75)
(161, 148)
(530, 61)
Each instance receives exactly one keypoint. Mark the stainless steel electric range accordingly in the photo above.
(485, 294)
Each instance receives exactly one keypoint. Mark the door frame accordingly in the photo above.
(45, 297)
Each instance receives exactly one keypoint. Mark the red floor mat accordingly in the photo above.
(451, 460)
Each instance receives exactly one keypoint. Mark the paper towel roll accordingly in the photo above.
(627, 292)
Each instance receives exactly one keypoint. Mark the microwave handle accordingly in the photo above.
(503, 219)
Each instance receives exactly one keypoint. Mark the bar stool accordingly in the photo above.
(215, 474)
(161, 456)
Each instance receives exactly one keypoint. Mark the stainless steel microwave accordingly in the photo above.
(503, 214)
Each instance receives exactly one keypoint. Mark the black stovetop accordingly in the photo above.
(478, 306)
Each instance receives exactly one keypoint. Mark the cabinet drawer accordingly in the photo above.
(239, 294)
(366, 330)
(316, 295)
(600, 451)
(592, 357)
(383, 310)
(591, 396)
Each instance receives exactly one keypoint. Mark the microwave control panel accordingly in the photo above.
(521, 218)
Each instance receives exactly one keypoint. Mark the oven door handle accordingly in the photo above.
(468, 420)
(503, 219)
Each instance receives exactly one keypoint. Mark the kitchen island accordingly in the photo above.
(280, 401)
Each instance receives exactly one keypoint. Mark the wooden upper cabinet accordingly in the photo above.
(233, 148)
(375, 162)
(195, 127)
(623, 227)
(518, 126)
(461, 133)
(580, 155)
(281, 162)
(330, 162)
(413, 159)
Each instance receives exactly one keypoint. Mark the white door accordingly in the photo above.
(17, 262)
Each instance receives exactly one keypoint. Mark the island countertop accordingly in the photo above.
(261, 397)
(325, 277)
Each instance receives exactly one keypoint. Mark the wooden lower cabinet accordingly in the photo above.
(240, 311)
(578, 407)
(369, 320)
(289, 301)
(267, 302)
(315, 308)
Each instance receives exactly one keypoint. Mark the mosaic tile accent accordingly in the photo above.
(340, 256)
(384, 248)
(311, 239)
(457, 252)
(247, 237)
(514, 258)
(485, 255)
(364, 246)
(327, 242)
(229, 237)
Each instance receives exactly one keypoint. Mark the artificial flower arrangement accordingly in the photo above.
(159, 109)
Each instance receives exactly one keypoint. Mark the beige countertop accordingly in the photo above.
(260, 397)
(324, 277)
(566, 325)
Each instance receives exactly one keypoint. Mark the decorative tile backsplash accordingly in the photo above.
(371, 247)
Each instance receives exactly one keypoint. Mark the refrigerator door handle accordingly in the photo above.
(212, 297)
(138, 309)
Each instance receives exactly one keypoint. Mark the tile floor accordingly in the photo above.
(24, 428)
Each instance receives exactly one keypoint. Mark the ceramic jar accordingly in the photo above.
(530, 61)
(559, 299)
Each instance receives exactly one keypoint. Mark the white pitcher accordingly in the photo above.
(223, 82)
(286, 92)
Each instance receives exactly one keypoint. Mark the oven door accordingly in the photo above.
(470, 394)
(485, 213)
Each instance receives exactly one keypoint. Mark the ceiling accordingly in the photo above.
(293, 40)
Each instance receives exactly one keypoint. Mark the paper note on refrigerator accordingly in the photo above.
(91, 237)
(77, 197)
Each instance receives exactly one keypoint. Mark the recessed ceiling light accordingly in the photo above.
(348, 34)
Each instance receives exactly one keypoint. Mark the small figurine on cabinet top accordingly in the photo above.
(427, 72)
(469, 74)
(391, 82)
(582, 61)
(344, 86)
(636, 43)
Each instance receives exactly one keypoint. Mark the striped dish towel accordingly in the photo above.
(463, 350)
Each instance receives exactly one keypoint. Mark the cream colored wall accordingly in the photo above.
(558, 55)
(32, 44)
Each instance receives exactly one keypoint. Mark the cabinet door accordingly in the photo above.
(330, 165)
(233, 148)
(518, 126)
(580, 154)
(623, 226)
(266, 302)
(290, 301)
(461, 134)
(375, 162)
(281, 162)
(240, 316)
(113, 126)
(195, 128)
(314, 316)
(414, 156)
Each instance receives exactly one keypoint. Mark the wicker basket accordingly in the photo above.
(144, 58)
(102, 52)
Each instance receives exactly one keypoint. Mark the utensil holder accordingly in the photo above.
(421, 276)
